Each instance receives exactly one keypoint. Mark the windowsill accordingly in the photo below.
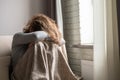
(82, 46)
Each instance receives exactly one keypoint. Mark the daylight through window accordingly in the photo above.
(86, 22)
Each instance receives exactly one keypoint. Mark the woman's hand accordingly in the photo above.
(62, 42)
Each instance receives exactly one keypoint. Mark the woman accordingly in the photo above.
(46, 63)
(39, 28)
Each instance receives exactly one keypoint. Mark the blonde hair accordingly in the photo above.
(41, 22)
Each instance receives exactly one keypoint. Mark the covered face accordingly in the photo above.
(41, 22)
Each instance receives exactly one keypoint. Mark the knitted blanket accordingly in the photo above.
(43, 61)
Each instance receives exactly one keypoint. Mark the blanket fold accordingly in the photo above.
(43, 61)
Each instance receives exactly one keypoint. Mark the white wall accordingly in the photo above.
(87, 69)
(14, 14)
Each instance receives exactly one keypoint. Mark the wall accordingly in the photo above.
(87, 69)
(14, 14)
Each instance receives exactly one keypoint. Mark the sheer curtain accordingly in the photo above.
(106, 50)
(118, 15)
(59, 15)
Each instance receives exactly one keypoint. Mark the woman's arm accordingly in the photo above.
(25, 38)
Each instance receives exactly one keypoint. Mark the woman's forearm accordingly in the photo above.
(24, 38)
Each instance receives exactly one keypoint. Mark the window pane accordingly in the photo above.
(86, 21)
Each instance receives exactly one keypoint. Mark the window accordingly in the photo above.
(86, 22)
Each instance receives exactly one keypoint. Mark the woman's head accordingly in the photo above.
(41, 22)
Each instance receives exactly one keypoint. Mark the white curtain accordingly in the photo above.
(59, 15)
(106, 49)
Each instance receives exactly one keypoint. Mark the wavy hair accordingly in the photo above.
(41, 22)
